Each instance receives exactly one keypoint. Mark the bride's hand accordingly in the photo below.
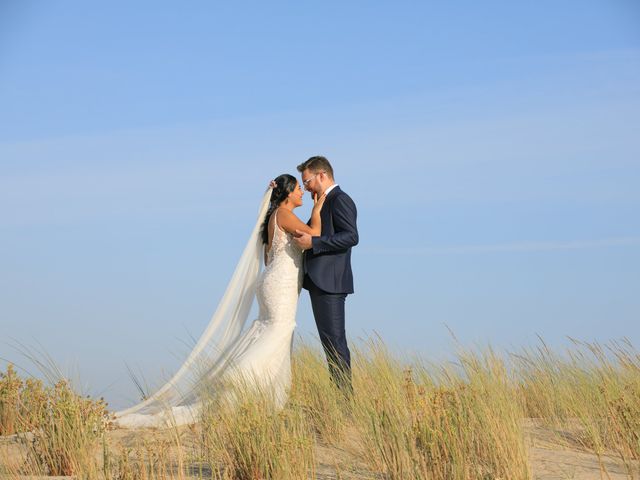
(318, 202)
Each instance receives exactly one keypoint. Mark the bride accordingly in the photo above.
(261, 353)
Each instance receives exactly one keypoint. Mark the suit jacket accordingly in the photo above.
(328, 263)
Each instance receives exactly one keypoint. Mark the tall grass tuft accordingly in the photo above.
(455, 423)
(590, 396)
(314, 392)
(247, 436)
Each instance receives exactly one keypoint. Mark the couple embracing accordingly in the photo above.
(315, 256)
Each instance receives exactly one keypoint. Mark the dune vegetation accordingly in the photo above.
(407, 419)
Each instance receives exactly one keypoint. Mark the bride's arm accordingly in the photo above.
(290, 223)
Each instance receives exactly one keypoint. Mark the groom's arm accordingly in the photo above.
(344, 223)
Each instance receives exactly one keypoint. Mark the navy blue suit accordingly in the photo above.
(328, 277)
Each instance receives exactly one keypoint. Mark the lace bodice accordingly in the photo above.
(280, 283)
(283, 248)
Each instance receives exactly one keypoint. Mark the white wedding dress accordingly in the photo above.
(259, 354)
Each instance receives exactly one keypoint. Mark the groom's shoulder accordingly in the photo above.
(343, 197)
(341, 193)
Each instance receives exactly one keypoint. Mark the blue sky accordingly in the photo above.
(492, 150)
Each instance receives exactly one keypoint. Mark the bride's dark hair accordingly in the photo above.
(285, 184)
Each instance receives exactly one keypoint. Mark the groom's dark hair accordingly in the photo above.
(317, 164)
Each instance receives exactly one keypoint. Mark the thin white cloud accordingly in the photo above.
(505, 247)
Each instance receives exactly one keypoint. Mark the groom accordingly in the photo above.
(327, 265)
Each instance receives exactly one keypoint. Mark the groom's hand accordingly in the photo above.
(303, 240)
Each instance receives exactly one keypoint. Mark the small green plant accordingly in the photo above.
(22, 403)
(10, 388)
(68, 431)
(60, 427)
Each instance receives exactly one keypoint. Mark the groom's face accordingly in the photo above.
(311, 182)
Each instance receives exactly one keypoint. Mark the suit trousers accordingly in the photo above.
(329, 313)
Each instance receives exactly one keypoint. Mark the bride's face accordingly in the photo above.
(295, 197)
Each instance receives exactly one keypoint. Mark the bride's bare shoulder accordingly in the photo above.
(285, 213)
(285, 216)
(288, 221)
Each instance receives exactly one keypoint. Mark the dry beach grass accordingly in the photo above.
(534, 414)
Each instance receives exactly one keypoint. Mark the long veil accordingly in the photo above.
(212, 352)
